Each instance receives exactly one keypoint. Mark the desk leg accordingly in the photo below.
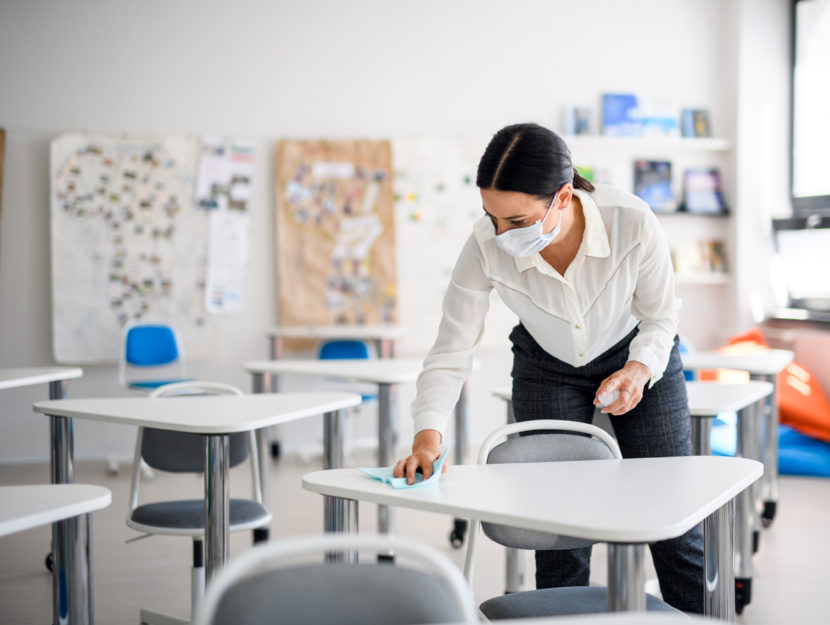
(333, 439)
(386, 421)
(261, 436)
(340, 514)
(769, 481)
(514, 561)
(71, 561)
(746, 512)
(272, 383)
(702, 435)
(217, 503)
(626, 577)
(719, 595)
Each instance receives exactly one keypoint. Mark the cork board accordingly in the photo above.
(335, 232)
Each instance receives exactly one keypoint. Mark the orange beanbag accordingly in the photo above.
(802, 404)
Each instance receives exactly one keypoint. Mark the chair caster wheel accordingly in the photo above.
(457, 534)
(743, 593)
(49, 562)
(768, 513)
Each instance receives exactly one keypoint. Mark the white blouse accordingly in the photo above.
(621, 276)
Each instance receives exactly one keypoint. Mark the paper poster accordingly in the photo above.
(128, 242)
(223, 189)
(436, 204)
(335, 233)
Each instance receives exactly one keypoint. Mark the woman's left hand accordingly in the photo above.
(629, 382)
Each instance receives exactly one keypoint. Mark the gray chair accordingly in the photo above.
(320, 580)
(181, 452)
(564, 440)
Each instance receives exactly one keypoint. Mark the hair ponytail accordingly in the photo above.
(582, 183)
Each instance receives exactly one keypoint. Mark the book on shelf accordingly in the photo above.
(699, 258)
(658, 117)
(695, 123)
(702, 193)
(621, 115)
(577, 120)
(652, 183)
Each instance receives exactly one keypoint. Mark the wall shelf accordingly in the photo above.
(710, 144)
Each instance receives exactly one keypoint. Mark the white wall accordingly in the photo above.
(318, 68)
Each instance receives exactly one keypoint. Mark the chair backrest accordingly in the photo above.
(556, 441)
(150, 345)
(342, 349)
(182, 452)
(147, 345)
(278, 582)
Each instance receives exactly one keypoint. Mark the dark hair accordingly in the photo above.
(528, 158)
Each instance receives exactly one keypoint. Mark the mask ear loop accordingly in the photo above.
(550, 208)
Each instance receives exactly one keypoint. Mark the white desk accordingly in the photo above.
(27, 376)
(633, 502)
(610, 618)
(761, 365)
(386, 373)
(56, 378)
(215, 416)
(706, 401)
(25, 507)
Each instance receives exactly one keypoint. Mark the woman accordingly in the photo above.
(588, 272)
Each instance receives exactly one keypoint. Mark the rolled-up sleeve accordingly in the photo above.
(653, 302)
(450, 359)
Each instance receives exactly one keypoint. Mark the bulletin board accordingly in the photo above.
(437, 203)
(128, 242)
(335, 232)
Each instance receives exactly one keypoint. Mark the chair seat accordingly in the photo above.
(189, 515)
(559, 601)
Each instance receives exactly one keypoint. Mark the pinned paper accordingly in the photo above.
(385, 474)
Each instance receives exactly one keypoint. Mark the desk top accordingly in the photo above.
(367, 332)
(709, 399)
(377, 370)
(26, 376)
(767, 362)
(202, 414)
(611, 618)
(24, 507)
(626, 501)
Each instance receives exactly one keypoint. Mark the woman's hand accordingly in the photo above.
(629, 383)
(426, 448)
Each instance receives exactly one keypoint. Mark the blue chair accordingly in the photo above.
(348, 349)
(150, 349)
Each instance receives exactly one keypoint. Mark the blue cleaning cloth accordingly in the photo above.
(385, 475)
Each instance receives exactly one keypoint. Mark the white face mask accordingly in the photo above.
(521, 242)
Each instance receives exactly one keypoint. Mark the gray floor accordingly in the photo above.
(792, 565)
